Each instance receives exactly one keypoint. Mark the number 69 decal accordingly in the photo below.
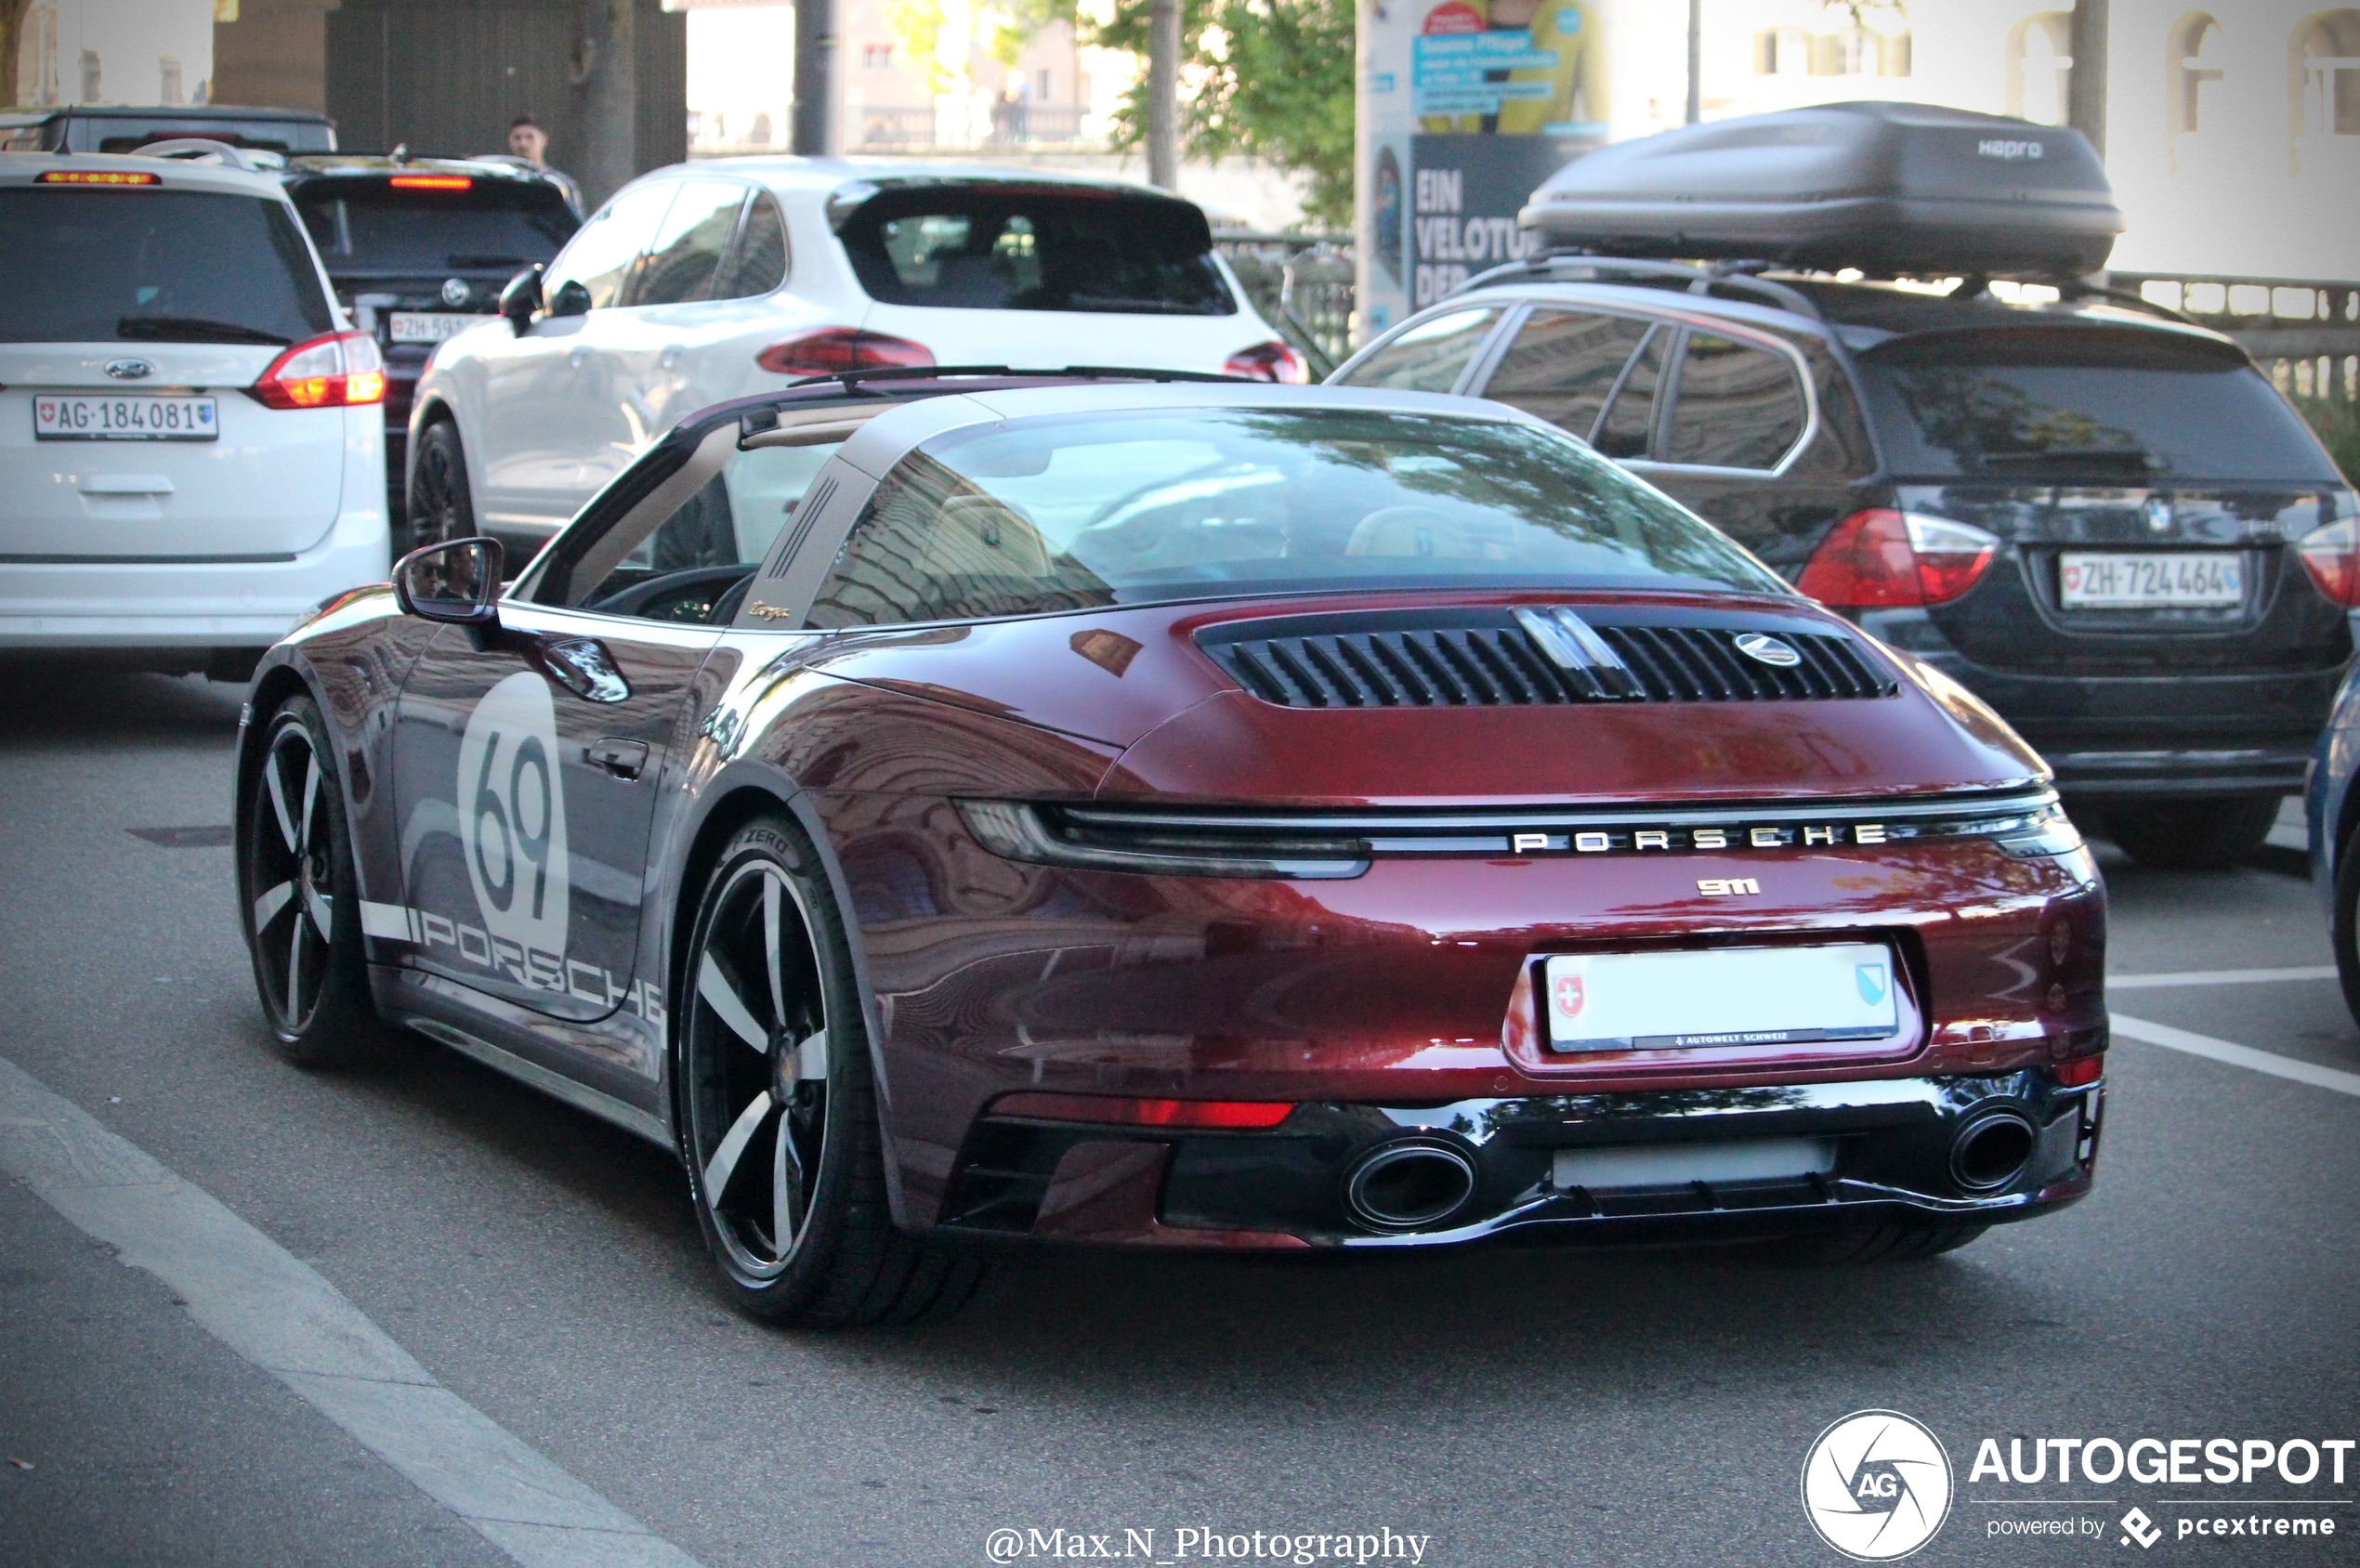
(512, 814)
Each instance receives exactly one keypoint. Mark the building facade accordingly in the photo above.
(2232, 133)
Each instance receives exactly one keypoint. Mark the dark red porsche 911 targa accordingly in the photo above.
(1180, 814)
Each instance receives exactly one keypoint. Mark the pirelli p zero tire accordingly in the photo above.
(1884, 1244)
(776, 1106)
(2201, 835)
(299, 900)
(441, 507)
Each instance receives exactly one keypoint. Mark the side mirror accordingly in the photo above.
(520, 298)
(456, 581)
(571, 299)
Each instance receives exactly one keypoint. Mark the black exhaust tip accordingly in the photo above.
(1408, 1186)
(1991, 1151)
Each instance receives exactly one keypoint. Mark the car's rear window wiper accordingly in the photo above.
(192, 328)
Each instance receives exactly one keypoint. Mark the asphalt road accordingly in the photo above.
(1510, 1405)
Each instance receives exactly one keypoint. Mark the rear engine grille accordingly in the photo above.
(1506, 664)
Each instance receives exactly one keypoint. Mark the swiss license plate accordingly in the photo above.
(1717, 997)
(65, 417)
(419, 326)
(2134, 581)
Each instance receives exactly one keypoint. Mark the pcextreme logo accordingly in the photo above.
(1876, 1486)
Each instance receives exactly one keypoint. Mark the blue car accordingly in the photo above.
(2334, 810)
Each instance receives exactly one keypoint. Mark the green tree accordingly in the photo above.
(1268, 79)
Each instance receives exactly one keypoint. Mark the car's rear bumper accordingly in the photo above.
(2243, 733)
(184, 602)
(1894, 1144)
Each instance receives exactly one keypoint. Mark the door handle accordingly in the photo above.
(583, 666)
(621, 758)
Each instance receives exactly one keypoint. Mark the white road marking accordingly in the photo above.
(2219, 977)
(277, 1313)
(2238, 1056)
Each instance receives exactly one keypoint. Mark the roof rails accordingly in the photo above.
(1742, 278)
(851, 380)
(1737, 276)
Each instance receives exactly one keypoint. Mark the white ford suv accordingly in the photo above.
(711, 280)
(190, 456)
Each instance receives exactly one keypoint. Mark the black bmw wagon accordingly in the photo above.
(2102, 520)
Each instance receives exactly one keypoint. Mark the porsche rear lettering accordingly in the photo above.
(1677, 840)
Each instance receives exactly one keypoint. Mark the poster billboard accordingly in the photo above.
(1464, 106)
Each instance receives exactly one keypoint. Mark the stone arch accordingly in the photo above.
(2194, 55)
(2040, 60)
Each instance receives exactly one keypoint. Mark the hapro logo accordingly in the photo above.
(2007, 151)
(1876, 1486)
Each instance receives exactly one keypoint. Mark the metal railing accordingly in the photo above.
(953, 126)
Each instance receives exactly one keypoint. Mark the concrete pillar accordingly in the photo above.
(606, 80)
(1163, 93)
(271, 53)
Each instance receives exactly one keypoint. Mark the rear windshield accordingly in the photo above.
(1045, 514)
(1013, 248)
(145, 265)
(2085, 405)
(368, 225)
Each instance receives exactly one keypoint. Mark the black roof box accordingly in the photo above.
(1887, 188)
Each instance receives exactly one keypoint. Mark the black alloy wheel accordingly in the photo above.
(777, 1107)
(441, 507)
(299, 896)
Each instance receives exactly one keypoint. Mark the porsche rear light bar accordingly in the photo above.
(1107, 1110)
(1107, 842)
(340, 370)
(1882, 559)
(834, 350)
(1324, 845)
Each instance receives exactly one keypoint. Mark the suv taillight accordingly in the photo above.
(1880, 559)
(2331, 554)
(334, 371)
(1271, 361)
(834, 350)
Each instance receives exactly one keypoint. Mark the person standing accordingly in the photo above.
(530, 144)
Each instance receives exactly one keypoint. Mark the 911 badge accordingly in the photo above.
(512, 811)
